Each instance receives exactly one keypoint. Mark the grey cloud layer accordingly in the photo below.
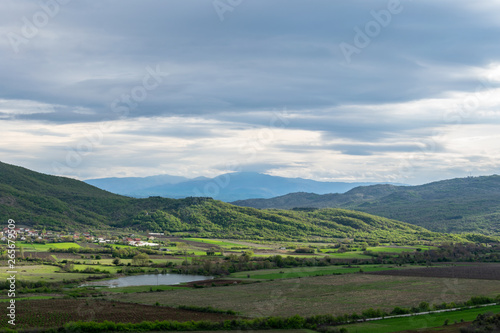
(264, 57)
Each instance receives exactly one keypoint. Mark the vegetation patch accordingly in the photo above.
(38, 247)
(214, 242)
(420, 322)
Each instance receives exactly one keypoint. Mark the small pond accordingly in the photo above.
(148, 280)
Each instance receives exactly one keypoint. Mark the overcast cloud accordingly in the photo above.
(403, 91)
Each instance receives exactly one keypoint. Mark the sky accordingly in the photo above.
(385, 91)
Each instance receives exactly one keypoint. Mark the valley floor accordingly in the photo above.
(322, 288)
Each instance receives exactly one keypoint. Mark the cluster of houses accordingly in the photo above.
(139, 242)
(30, 234)
(21, 234)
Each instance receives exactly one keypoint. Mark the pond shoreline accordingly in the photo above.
(147, 280)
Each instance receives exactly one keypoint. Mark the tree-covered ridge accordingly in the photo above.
(36, 199)
(211, 218)
(58, 203)
(459, 205)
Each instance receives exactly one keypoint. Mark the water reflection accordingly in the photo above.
(149, 280)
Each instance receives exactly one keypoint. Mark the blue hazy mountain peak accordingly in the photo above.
(226, 187)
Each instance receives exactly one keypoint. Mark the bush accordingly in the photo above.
(371, 313)
(295, 322)
(399, 311)
(424, 306)
(478, 300)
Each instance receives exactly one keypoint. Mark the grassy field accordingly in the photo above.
(296, 272)
(419, 322)
(46, 247)
(46, 273)
(175, 260)
(221, 243)
(389, 249)
(349, 255)
(110, 269)
(334, 294)
(263, 250)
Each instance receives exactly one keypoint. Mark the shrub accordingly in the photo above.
(399, 311)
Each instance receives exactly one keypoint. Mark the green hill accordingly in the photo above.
(459, 205)
(58, 203)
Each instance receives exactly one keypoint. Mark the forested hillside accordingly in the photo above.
(40, 200)
(459, 205)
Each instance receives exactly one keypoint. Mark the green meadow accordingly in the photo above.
(223, 243)
(419, 322)
(35, 247)
(46, 273)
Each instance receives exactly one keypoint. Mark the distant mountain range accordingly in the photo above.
(59, 203)
(227, 187)
(458, 205)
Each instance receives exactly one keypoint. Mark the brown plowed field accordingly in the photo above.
(57, 312)
(474, 271)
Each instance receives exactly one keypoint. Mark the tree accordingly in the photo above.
(184, 248)
(117, 261)
(142, 259)
(69, 266)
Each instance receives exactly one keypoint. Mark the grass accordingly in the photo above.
(296, 272)
(333, 294)
(349, 255)
(419, 322)
(46, 273)
(110, 269)
(45, 247)
(101, 261)
(214, 242)
(163, 261)
(389, 249)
